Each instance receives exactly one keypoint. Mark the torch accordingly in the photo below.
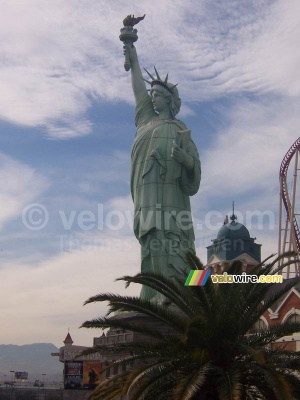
(129, 35)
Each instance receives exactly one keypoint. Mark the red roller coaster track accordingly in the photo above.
(284, 192)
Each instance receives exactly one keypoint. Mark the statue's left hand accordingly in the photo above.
(182, 156)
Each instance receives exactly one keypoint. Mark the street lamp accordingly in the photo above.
(44, 379)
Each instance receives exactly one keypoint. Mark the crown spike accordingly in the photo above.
(151, 76)
(157, 74)
(172, 87)
(147, 81)
(166, 79)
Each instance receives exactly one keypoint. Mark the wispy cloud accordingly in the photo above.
(89, 265)
(20, 185)
(247, 154)
(57, 57)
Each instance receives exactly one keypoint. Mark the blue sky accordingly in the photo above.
(67, 126)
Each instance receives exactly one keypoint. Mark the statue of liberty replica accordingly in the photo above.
(165, 170)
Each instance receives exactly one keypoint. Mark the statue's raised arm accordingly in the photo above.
(137, 81)
(128, 36)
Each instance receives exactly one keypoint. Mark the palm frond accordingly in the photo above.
(195, 344)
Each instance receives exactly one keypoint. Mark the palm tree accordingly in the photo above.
(196, 344)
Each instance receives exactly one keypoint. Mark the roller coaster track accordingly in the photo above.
(289, 204)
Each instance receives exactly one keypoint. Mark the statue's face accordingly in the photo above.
(159, 100)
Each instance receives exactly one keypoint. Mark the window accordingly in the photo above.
(293, 318)
(259, 326)
(107, 372)
(115, 369)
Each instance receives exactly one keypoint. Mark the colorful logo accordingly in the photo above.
(197, 277)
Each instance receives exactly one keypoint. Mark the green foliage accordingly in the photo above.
(196, 343)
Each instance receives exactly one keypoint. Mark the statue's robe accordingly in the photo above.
(161, 188)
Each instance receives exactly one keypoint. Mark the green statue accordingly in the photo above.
(165, 172)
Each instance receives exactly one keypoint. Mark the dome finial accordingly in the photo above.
(233, 216)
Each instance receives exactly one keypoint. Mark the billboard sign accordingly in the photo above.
(82, 374)
(21, 375)
(73, 375)
(91, 374)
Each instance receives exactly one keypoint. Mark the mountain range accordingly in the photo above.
(33, 358)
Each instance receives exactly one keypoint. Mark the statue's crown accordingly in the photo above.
(159, 81)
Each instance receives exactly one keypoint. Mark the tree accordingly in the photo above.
(197, 343)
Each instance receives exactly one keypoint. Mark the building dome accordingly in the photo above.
(233, 241)
(233, 230)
